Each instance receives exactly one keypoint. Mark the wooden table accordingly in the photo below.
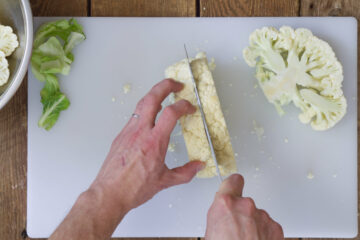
(13, 117)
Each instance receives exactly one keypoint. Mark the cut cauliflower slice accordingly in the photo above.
(296, 66)
(8, 40)
(4, 69)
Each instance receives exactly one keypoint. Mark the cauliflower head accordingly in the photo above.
(296, 66)
(4, 69)
(8, 40)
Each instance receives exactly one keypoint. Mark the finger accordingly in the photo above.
(150, 104)
(171, 114)
(184, 173)
(277, 231)
(233, 185)
(262, 216)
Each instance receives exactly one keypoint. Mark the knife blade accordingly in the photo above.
(203, 118)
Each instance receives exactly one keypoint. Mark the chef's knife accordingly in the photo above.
(203, 118)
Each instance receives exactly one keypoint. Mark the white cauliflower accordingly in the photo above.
(4, 69)
(8, 40)
(296, 66)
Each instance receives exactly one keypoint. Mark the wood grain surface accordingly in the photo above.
(245, 8)
(13, 137)
(144, 8)
(59, 7)
(335, 8)
(13, 117)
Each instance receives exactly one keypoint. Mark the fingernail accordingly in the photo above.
(193, 109)
(201, 166)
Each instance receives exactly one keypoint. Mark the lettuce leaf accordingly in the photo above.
(61, 29)
(53, 105)
(52, 55)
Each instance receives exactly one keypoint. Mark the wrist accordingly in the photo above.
(102, 205)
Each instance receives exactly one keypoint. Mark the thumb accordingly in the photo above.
(233, 185)
(185, 173)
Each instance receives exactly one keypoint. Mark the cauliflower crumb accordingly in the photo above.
(204, 8)
(126, 88)
(286, 140)
(255, 86)
(236, 154)
(171, 147)
(257, 169)
(113, 99)
(258, 130)
(310, 175)
(334, 175)
(212, 64)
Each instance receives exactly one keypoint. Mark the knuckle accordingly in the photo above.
(278, 229)
(248, 206)
(226, 201)
(150, 99)
(140, 104)
(264, 215)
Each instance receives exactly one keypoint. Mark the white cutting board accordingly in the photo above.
(64, 161)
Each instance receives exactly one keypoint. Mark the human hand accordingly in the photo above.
(134, 170)
(232, 216)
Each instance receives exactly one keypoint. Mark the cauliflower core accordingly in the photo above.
(8, 40)
(295, 66)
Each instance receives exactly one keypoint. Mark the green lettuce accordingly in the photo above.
(52, 55)
(53, 105)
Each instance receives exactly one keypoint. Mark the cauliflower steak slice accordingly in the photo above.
(296, 66)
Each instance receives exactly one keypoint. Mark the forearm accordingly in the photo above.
(91, 217)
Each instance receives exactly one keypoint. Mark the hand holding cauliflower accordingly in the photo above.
(8, 44)
(295, 66)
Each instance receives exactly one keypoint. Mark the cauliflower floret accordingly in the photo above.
(295, 66)
(4, 69)
(326, 111)
(8, 40)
